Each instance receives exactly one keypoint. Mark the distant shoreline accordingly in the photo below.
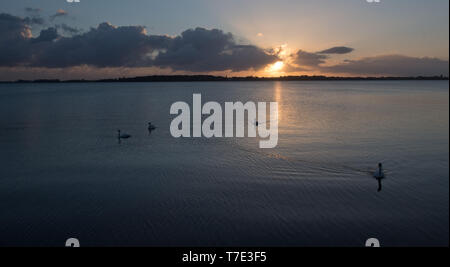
(210, 78)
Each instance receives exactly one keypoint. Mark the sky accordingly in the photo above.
(111, 38)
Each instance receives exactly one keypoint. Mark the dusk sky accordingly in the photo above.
(112, 38)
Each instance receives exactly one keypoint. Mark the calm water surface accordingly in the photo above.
(63, 173)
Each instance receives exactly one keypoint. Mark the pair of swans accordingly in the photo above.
(120, 135)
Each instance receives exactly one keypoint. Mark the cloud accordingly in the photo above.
(384, 65)
(195, 50)
(59, 13)
(104, 46)
(211, 50)
(68, 29)
(392, 65)
(337, 50)
(46, 35)
(307, 59)
(14, 35)
(12, 27)
(310, 60)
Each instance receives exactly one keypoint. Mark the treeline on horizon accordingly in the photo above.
(211, 78)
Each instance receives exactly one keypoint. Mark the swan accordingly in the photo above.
(379, 174)
(122, 136)
(151, 127)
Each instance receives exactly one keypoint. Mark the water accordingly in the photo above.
(63, 173)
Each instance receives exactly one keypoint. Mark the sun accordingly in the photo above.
(277, 66)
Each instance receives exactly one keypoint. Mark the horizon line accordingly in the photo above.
(206, 78)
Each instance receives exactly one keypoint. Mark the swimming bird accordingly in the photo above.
(122, 136)
(151, 127)
(379, 174)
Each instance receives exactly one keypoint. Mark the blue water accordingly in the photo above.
(64, 174)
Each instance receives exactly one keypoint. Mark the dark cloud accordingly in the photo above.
(68, 29)
(314, 60)
(307, 59)
(211, 50)
(46, 35)
(14, 44)
(12, 27)
(194, 50)
(394, 65)
(59, 13)
(104, 46)
(388, 65)
(337, 50)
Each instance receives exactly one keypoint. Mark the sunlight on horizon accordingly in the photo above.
(275, 67)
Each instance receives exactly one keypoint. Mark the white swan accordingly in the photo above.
(122, 136)
(379, 174)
